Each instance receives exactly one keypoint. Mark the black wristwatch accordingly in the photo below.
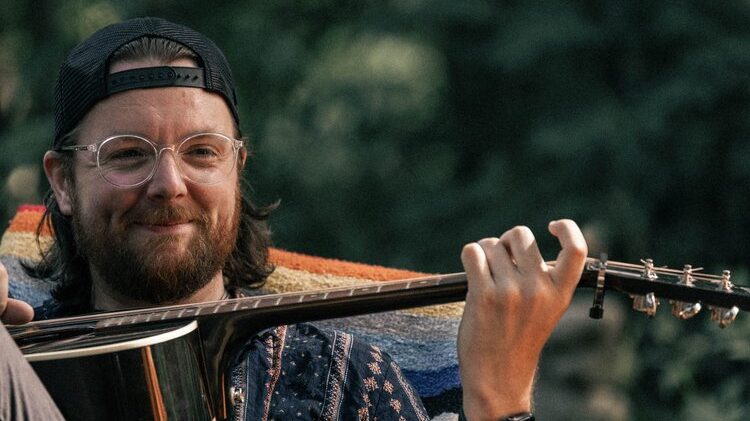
(523, 416)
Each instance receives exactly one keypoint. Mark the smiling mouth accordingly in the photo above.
(165, 227)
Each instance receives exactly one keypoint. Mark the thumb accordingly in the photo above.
(17, 312)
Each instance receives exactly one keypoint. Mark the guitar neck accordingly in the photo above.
(393, 295)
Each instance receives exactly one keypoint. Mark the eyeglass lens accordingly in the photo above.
(130, 160)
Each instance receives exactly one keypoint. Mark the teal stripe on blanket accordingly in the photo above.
(434, 383)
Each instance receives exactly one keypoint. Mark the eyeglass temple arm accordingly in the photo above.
(91, 148)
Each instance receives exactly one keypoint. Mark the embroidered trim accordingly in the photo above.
(342, 345)
(274, 349)
(409, 393)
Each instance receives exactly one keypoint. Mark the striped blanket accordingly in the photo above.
(421, 340)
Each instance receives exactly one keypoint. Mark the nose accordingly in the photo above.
(167, 182)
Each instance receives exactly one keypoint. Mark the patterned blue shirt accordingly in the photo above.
(301, 372)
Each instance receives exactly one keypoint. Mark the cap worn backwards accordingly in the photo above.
(84, 77)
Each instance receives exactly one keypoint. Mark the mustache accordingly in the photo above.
(166, 215)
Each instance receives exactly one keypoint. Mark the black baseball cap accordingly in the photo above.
(84, 77)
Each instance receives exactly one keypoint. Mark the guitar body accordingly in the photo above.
(154, 373)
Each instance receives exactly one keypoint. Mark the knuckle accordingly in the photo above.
(579, 250)
(488, 242)
(508, 293)
(468, 252)
(523, 230)
(519, 232)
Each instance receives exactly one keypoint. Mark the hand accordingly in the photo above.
(514, 302)
(12, 311)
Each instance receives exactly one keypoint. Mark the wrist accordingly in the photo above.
(494, 409)
(492, 405)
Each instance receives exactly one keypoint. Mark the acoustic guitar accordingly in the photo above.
(121, 365)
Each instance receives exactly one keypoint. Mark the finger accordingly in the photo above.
(477, 268)
(572, 256)
(17, 312)
(522, 245)
(498, 257)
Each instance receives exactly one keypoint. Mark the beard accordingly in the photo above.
(148, 270)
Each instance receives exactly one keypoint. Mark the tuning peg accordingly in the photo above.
(646, 303)
(597, 308)
(681, 309)
(687, 275)
(722, 315)
(726, 284)
(685, 311)
(648, 269)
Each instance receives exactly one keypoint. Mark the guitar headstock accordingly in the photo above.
(687, 290)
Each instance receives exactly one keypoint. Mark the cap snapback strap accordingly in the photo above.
(153, 77)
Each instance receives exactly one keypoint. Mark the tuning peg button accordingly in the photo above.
(724, 316)
(685, 311)
(646, 303)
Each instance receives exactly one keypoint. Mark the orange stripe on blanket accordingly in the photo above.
(325, 266)
(26, 220)
(28, 216)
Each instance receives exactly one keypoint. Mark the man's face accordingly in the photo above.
(164, 240)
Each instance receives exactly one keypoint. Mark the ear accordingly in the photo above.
(243, 158)
(53, 167)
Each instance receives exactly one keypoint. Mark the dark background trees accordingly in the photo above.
(394, 132)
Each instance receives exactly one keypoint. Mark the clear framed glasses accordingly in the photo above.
(129, 161)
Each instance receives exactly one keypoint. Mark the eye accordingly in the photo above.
(128, 153)
(205, 149)
(125, 151)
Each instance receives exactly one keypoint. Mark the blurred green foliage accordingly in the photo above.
(394, 132)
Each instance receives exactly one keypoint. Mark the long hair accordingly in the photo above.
(247, 265)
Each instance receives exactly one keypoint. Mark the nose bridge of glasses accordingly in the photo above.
(162, 148)
(158, 161)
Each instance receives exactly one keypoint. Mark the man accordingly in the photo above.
(147, 209)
